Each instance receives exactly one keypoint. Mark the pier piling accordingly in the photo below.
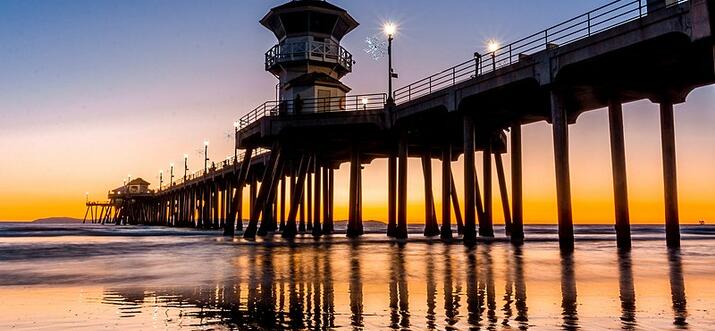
(517, 227)
(446, 230)
(670, 180)
(563, 182)
(503, 193)
(486, 223)
(392, 194)
(401, 232)
(431, 227)
(470, 231)
(620, 183)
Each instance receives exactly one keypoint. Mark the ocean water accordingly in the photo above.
(92, 277)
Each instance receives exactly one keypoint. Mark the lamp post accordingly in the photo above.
(493, 47)
(126, 188)
(171, 165)
(129, 179)
(206, 156)
(161, 179)
(235, 147)
(186, 165)
(390, 29)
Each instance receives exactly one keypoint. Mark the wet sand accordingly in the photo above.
(57, 277)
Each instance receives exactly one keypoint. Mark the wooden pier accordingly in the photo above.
(621, 52)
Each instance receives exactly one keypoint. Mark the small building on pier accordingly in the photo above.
(136, 186)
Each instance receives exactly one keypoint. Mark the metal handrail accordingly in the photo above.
(223, 165)
(309, 50)
(610, 15)
(314, 105)
(288, 108)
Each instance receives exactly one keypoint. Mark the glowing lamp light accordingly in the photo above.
(206, 142)
(186, 156)
(492, 46)
(390, 29)
(235, 124)
(365, 101)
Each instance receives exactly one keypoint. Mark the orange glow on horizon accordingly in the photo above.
(59, 189)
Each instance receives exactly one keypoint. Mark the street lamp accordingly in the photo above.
(365, 101)
(186, 165)
(161, 179)
(171, 165)
(493, 47)
(235, 147)
(206, 156)
(390, 30)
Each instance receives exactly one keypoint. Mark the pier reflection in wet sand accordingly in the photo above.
(308, 288)
(382, 285)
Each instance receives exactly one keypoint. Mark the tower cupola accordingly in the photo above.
(308, 59)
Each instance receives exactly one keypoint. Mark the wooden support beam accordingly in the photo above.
(455, 204)
(283, 202)
(292, 178)
(446, 230)
(266, 192)
(431, 227)
(215, 205)
(354, 222)
(327, 225)
(670, 179)
(309, 195)
(470, 227)
(392, 194)
(563, 180)
(517, 227)
(486, 223)
(401, 232)
(620, 182)
(317, 229)
(301, 219)
(359, 199)
(291, 229)
(504, 192)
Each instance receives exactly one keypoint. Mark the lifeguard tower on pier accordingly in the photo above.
(308, 59)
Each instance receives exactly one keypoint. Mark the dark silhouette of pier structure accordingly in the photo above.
(624, 51)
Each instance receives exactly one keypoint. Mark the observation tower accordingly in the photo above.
(308, 59)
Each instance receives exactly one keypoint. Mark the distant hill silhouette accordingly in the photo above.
(57, 220)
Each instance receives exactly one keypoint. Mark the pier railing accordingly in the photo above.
(613, 14)
(314, 105)
(309, 50)
(229, 162)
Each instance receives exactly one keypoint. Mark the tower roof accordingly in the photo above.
(309, 16)
(138, 181)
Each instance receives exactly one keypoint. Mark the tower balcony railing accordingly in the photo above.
(295, 107)
(309, 50)
(603, 18)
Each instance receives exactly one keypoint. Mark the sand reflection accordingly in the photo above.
(444, 287)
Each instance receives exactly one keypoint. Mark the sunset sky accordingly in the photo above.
(92, 91)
